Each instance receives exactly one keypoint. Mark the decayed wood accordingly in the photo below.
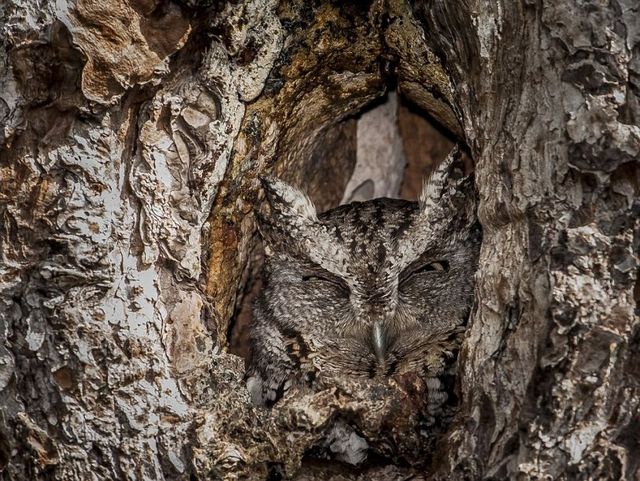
(132, 133)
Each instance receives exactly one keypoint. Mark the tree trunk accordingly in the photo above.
(549, 100)
(132, 135)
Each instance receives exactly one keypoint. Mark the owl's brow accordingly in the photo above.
(322, 247)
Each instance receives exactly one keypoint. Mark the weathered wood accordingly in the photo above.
(132, 133)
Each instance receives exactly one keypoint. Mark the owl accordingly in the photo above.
(366, 290)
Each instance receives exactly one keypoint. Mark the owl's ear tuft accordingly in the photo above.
(448, 198)
(287, 201)
(434, 187)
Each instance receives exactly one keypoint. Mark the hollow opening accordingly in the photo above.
(386, 149)
(355, 106)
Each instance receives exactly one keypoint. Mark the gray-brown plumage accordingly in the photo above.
(369, 289)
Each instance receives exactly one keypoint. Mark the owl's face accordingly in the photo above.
(373, 288)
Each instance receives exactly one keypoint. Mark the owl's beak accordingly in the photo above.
(379, 343)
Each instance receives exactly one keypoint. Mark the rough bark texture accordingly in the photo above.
(132, 134)
(549, 100)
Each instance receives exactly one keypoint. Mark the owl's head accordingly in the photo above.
(376, 287)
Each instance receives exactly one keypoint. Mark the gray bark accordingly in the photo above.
(132, 134)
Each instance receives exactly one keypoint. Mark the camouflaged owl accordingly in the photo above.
(369, 289)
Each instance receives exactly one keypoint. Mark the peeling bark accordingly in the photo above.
(132, 134)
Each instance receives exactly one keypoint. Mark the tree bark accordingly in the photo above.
(132, 135)
(548, 94)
